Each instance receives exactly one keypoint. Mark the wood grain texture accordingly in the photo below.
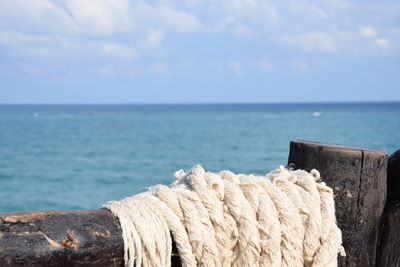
(358, 178)
(63, 238)
(389, 252)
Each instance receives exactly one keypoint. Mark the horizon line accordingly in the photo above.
(199, 103)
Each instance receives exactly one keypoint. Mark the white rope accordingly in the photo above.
(286, 218)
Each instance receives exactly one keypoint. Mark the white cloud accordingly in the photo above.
(118, 51)
(243, 31)
(165, 16)
(154, 37)
(236, 67)
(159, 67)
(256, 11)
(125, 70)
(12, 38)
(312, 42)
(105, 70)
(39, 16)
(41, 45)
(62, 47)
(309, 10)
(93, 17)
(182, 21)
(101, 16)
(31, 69)
(224, 23)
(265, 65)
(123, 29)
(240, 4)
(337, 4)
(368, 31)
(88, 28)
(192, 2)
(382, 42)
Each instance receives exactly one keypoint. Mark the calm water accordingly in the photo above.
(79, 157)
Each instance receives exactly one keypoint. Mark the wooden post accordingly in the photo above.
(358, 178)
(394, 177)
(389, 248)
(389, 243)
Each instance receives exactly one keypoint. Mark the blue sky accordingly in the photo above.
(199, 51)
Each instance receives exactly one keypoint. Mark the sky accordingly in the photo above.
(199, 51)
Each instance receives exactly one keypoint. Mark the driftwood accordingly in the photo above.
(358, 178)
(93, 238)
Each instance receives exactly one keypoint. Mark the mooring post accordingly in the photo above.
(394, 177)
(389, 243)
(358, 178)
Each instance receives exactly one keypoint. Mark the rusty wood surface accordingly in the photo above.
(358, 178)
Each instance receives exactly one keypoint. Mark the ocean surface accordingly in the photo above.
(81, 156)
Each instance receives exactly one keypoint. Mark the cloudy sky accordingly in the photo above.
(199, 51)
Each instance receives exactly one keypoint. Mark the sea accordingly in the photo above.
(63, 157)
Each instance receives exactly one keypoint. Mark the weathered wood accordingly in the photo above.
(394, 176)
(62, 238)
(389, 243)
(358, 178)
(389, 249)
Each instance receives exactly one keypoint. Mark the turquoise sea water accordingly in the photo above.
(79, 157)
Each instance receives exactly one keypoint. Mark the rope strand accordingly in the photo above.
(285, 218)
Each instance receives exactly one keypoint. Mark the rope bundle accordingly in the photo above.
(285, 218)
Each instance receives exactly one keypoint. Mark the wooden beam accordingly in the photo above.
(358, 178)
(63, 238)
(60, 238)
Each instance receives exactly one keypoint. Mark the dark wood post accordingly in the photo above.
(389, 248)
(389, 244)
(394, 177)
(358, 178)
